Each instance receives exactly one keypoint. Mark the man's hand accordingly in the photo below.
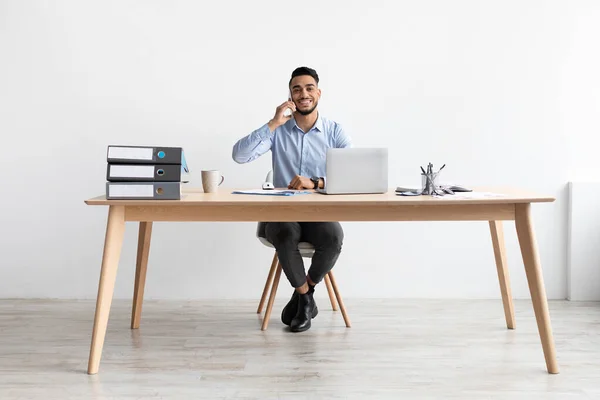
(301, 182)
(280, 119)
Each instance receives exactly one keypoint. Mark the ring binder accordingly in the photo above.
(145, 172)
(143, 190)
(148, 173)
(144, 155)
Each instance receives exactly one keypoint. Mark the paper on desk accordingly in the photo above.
(470, 195)
(274, 192)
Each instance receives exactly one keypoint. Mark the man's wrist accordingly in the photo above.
(315, 181)
(272, 125)
(318, 182)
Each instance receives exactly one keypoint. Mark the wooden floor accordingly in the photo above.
(397, 349)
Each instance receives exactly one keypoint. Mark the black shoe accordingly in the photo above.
(291, 308)
(289, 311)
(306, 312)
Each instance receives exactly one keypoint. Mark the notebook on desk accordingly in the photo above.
(356, 171)
(262, 192)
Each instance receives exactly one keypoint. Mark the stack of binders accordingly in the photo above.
(145, 172)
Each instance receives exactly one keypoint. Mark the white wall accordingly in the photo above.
(503, 92)
(583, 255)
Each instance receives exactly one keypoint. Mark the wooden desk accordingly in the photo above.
(224, 206)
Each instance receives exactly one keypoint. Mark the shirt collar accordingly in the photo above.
(318, 124)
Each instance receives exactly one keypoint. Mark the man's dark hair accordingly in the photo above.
(305, 71)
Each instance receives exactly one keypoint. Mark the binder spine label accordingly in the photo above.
(131, 191)
(130, 153)
(131, 171)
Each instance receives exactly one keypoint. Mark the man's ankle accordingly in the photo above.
(303, 289)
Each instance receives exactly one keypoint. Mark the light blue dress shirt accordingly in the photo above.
(294, 152)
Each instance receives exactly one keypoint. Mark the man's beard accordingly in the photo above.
(307, 111)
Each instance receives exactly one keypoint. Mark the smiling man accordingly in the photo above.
(299, 143)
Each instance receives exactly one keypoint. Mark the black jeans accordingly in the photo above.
(326, 237)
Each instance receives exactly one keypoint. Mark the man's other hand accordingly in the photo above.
(301, 182)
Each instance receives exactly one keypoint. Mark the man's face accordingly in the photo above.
(305, 94)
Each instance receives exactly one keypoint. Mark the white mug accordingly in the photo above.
(210, 180)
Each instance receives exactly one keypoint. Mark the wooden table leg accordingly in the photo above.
(141, 266)
(533, 270)
(113, 242)
(497, 232)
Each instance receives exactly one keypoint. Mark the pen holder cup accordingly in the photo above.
(426, 183)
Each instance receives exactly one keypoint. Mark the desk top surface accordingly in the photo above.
(195, 196)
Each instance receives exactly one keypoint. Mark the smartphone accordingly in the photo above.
(288, 111)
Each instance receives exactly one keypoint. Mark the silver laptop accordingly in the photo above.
(356, 171)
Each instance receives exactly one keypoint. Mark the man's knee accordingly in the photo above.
(337, 239)
(282, 233)
(333, 237)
